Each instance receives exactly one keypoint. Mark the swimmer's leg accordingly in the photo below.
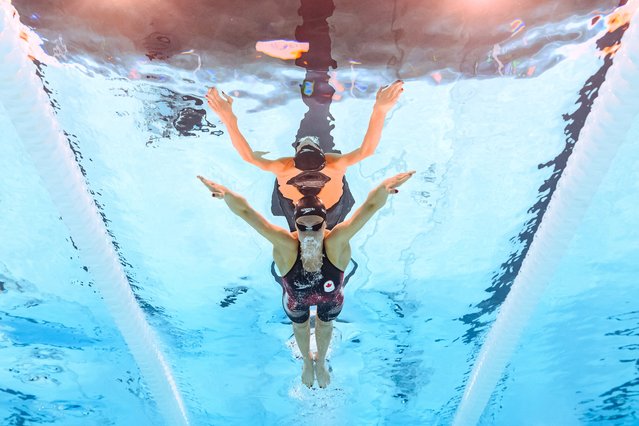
(302, 332)
(323, 334)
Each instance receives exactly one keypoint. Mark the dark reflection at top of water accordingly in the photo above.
(404, 39)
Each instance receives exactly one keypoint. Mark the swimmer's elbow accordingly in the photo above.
(255, 160)
(250, 157)
(366, 153)
(361, 153)
(355, 156)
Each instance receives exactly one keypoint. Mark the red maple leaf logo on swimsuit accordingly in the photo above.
(329, 286)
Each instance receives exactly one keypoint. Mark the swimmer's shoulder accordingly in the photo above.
(337, 248)
(335, 161)
(285, 251)
(332, 157)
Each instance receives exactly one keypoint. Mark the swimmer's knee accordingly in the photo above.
(304, 324)
(323, 323)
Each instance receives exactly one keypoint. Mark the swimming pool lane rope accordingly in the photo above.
(27, 105)
(605, 128)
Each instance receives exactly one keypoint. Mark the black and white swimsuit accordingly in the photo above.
(303, 289)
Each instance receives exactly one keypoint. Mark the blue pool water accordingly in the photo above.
(434, 266)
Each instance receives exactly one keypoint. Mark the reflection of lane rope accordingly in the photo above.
(598, 143)
(199, 59)
(29, 109)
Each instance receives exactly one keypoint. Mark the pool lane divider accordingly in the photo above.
(606, 127)
(28, 107)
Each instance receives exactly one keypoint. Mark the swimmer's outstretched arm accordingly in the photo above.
(376, 199)
(223, 107)
(238, 205)
(386, 99)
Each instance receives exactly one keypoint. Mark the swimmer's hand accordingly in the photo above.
(392, 183)
(217, 190)
(388, 96)
(222, 105)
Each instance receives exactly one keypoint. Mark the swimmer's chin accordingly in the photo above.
(310, 237)
(310, 234)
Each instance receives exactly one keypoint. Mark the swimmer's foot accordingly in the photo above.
(308, 372)
(321, 372)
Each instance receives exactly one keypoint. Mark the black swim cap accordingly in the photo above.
(310, 157)
(309, 183)
(310, 206)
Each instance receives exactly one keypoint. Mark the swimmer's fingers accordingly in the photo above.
(398, 180)
(392, 85)
(396, 89)
(217, 190)
(214, 98)
(228, 98)
(212, 95)
(388, 96)
(221, 106)
(403, 177)
(209, 184)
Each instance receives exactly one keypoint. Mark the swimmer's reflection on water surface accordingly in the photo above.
(310, 171)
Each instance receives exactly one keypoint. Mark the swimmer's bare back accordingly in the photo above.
(329, 194)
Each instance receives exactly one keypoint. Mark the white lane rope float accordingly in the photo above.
(605, 129)
(27, 105)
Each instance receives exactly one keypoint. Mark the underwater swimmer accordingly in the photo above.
(322, 174)
(311, 261)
